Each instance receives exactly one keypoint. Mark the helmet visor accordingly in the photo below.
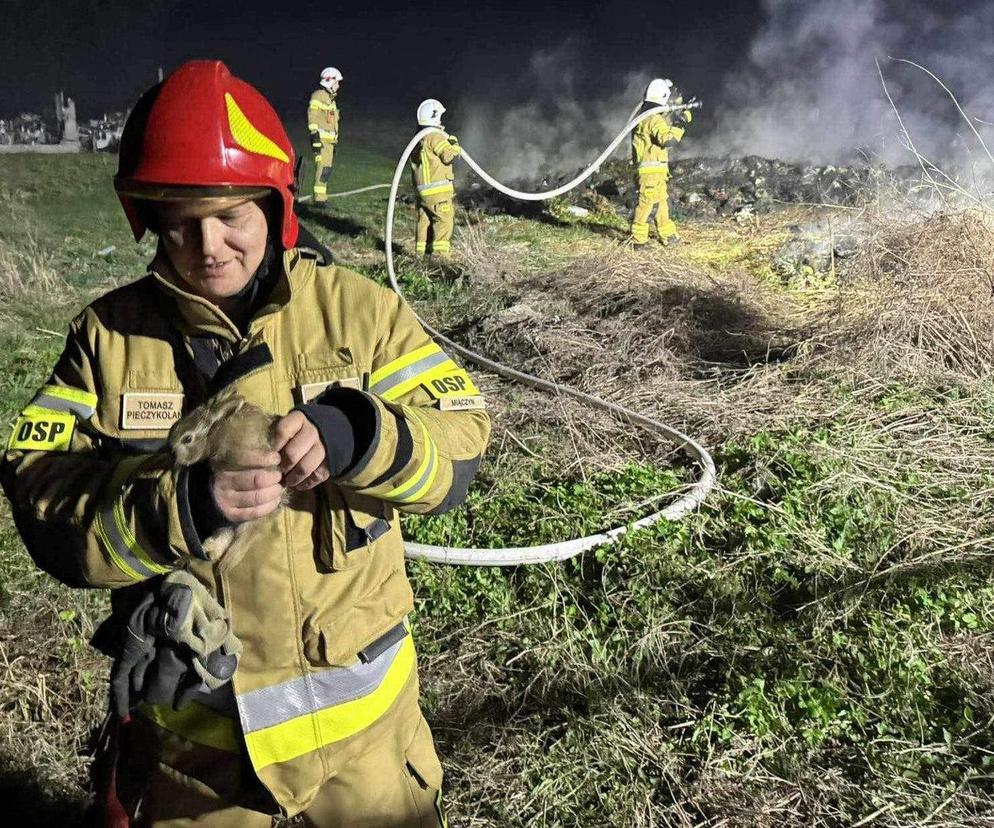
(174, 192)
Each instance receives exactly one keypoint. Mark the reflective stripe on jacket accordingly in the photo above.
(323, 115)
(320, 597)
(650, 143)
(431, 165)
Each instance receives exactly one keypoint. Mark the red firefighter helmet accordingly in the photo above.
(204, 133)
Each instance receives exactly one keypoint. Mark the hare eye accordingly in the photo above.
(187, 439)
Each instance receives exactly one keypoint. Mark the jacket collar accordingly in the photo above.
(199, 317)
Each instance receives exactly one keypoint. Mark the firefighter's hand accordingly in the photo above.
(253, 491)
(302, 455)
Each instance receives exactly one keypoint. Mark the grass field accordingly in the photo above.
(812, 648)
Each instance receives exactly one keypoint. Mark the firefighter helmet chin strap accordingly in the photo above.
(566, 549)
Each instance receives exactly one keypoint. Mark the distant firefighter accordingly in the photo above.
(322, 123)
(651, 140)
(431, 166)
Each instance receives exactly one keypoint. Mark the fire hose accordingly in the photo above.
(349, 192)
(542, 553)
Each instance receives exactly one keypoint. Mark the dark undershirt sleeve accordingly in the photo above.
(346, 420)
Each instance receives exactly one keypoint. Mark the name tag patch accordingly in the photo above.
(150, 410)
(42, 430)
(460, 403)
(313, 390)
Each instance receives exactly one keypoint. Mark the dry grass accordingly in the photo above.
(52, 693)
(27, 273)
(897, 356)
(730, 353)
(724, 354)
(919, 304)
(652, 330)
(27, 270)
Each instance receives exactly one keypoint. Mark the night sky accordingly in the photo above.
(105, 53)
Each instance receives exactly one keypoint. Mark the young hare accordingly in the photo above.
(219, 432)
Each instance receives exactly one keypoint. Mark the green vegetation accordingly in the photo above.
(813, 647)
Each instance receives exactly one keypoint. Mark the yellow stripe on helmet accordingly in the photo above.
(247, 136)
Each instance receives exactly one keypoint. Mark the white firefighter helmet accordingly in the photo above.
(430, 113)
(658, 91)
(330, 77)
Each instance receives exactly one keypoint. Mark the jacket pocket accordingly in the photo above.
(362, 631)
(318, 371)
(351, 526)
(425, 778)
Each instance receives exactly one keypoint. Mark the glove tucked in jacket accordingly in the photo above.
(177, 644)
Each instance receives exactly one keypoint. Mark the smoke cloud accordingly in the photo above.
(559, 129)
(807, 89)
(810, 88)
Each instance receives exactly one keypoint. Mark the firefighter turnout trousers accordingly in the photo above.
(653, 195)
(396, 783)
(436, 220)
(322, 170)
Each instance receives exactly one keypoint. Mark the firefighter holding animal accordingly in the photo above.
(285, 683)
(651, 141)
(431, 169)
(322, 124)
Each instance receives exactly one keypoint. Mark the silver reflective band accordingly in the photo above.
(58, 404)
(654, 165)
(411, 371)
(270, 706)
(431, 184)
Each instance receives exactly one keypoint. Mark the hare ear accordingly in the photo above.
(226, 404)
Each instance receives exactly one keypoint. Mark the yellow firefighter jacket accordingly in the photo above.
(650, 144)
(322, 116)
(431, 165)
(320, 598)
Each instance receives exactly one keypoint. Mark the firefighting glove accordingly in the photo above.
(316, 140)
(137, 651)
(193, 617)
(177, 644)
(686, 116)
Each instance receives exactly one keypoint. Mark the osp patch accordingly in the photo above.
(40, 429)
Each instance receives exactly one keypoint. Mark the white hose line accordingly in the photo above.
(349, 192)
(514, 556)
(583, 176)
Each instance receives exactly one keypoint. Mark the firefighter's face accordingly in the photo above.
(215, 244)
